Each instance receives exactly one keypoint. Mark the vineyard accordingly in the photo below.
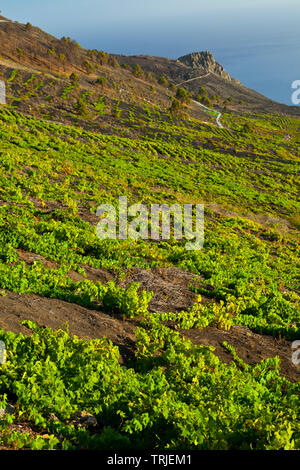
(170, 391)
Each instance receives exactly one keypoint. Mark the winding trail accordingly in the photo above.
(219, 115)
(196, 78)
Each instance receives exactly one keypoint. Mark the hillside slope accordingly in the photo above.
(142, 344)
(140, 79)
(197, 70)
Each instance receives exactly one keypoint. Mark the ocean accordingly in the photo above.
(257, 41)
(267, 68)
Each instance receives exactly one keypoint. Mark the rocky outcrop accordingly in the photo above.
(205, 62)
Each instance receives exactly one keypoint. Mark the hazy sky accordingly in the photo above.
(257, 41)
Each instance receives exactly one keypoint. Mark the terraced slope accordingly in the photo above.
(54, 270)
(140, 344)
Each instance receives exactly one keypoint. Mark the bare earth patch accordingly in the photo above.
(251, 347)
(53, 313)
(171, 293)
(89, 324)
(170, 286)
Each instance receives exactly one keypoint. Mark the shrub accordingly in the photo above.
(176, 108)
(138, 71)
(116, 112)
(205, 101)
(81, 107)
(102, 57)
(202, 91)
(247, 128)
(74, 77)
(183, 95)
(88, 66)
(162, 80)
(20, 52)
(112, 61)
(101, 80)
(150, 77)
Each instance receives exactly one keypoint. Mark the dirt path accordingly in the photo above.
(219, 115)
(192, 79)
(219, 124)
